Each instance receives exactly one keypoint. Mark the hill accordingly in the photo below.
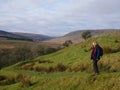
(76, 36)
(35, 37)
(67, 69)
(24, 36)
(8, 35)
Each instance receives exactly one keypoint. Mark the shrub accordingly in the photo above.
(117, 41)
(19, 77)
(87, 50)
(25, 82)
(76, 67)
(118, 48)
(115, 67)
(4, 80)
(2, 77)
(83, 46)
(86, 35)
(60, 67)
(45, 61)
(67, 43)
(107, 49)
(41, 69)
(105, 65)
(28, 66)
(50, 69)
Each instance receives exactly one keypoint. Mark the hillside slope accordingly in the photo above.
(68, 69)
(76, 36)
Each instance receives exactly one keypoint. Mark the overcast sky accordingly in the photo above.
(58, 17)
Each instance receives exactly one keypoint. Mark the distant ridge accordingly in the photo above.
(24, 36)
(35, 37)
(76, 37)
(9, 35)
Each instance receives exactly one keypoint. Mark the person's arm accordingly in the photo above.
(91, 54)
(98, 53)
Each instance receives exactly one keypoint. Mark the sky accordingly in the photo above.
(58, 17)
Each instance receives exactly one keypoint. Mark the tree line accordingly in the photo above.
(22, 53)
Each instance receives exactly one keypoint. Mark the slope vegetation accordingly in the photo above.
(67, 69)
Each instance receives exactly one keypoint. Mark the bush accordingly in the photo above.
(60, 68)
(115, 67)
(117, 41)
(25, 82)
(41, 69)
(76, 67)
(50, 69)
(107, 49)
(28, 66)
(4, 80)
(45, 61)
(19, 77)
(86, 35)
(87, 50)
(67, 43)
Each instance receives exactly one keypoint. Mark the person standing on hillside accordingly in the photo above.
(96, 54)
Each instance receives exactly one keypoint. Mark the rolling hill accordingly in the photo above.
(24, 36)
(8, 35)
(67, 69)
(76, 37)
(35, 37)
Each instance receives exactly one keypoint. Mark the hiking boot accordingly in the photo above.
(94, 74)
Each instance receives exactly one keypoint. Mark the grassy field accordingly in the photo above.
(67, 69)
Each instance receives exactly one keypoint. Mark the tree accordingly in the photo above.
(67, 43)
(4, 57)
(22, 53)
(40, 50)
(43, 50)
(86, 35)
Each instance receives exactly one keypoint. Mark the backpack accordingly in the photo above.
(100, 50)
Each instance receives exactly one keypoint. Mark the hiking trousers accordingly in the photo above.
(95, 66)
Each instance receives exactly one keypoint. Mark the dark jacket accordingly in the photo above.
(95, 55)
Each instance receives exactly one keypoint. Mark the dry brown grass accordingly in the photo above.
(58, 68)
(19, 77)
(2, 46)
(107, 49)
(45, 61)
(5, 80)
(110, 65)
(28, 66)
(41, 69)
(25, 82)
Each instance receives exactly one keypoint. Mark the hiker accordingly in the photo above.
(96, 54)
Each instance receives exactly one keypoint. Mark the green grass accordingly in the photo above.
(76, 57)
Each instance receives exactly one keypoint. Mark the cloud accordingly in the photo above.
(58, 17)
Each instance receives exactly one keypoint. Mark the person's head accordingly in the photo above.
(95, 43)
